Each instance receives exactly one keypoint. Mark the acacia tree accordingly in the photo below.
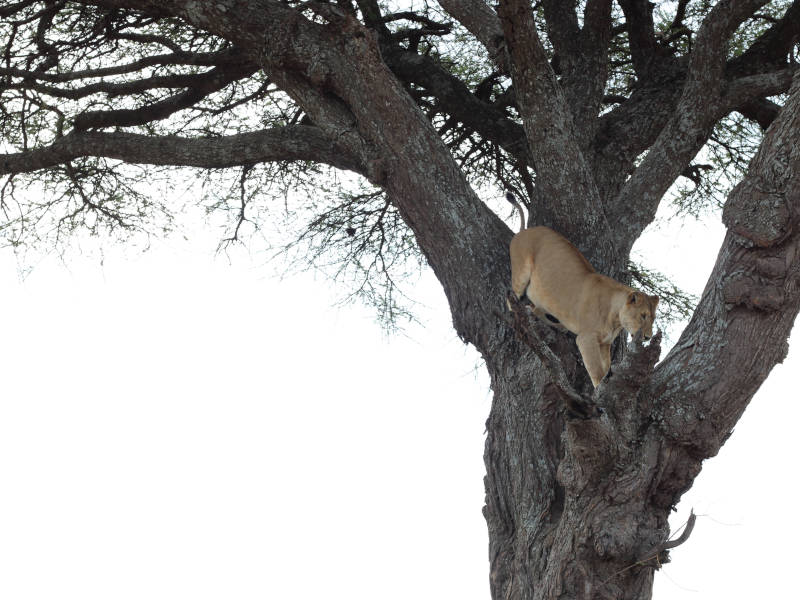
(589, 110)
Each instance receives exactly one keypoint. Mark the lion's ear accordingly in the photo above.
(633, 298)
(654, 302)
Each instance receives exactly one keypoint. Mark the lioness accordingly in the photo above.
(559, 281)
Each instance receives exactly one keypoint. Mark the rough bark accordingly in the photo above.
(579, 482)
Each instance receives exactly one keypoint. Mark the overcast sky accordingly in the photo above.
(174, 426)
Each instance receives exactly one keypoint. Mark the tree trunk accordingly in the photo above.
(580, 481)
(576, 508)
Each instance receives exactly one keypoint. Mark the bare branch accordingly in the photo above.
(241, 218)
(143, 38)
(14, 8)
(680, 14)
(202, 59)
(655, 553)
(203, 85)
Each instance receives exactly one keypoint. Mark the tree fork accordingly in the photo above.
(585, 514)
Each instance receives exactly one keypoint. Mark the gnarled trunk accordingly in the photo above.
(576, 507)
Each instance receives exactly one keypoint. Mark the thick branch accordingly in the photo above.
(482, 22)
(585, 86)
(564, 181)
(763, 112)
(335, 72)
(762, 85)
(297, 142)
(641, 35)
(749, 94)
(582, 57)
(111, 88)
(632, 128)
(739, 330)
(563, 30)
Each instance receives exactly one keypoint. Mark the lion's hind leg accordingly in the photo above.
(521, 277)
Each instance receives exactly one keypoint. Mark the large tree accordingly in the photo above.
(590, 111)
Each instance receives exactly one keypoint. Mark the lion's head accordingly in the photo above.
(638, 313)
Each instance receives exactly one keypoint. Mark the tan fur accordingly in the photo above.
(559, 281)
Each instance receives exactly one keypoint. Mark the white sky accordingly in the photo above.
(172, 426)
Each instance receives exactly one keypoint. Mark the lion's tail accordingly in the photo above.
(512, 199)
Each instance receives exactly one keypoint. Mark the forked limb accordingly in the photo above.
(577, 405)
